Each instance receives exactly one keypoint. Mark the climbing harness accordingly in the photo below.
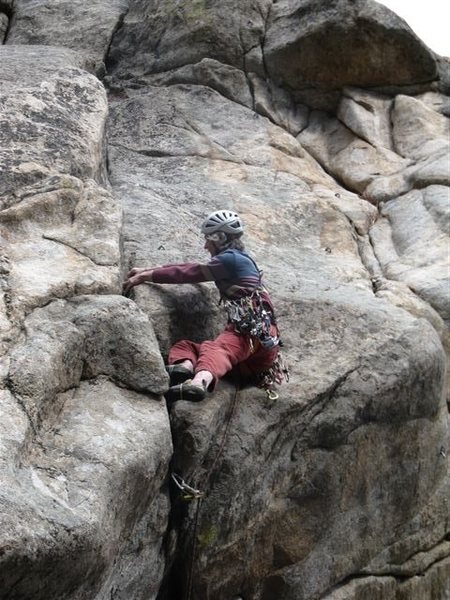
(250, 316)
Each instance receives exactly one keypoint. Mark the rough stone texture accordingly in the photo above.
(85, 440)
(170, 34)
(304, 214)
(87, 28)
(411, 241)
(51, 119)
(368, 115)
(74, 495)
(340, 488)
(352, 160)
(419, 131)
(431, 585)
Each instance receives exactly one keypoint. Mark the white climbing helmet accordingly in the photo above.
(226, 221)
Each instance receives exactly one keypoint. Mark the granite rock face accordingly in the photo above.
(79, 365)
(88, 29)
(325, 125)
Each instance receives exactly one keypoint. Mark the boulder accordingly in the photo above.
(341, 43)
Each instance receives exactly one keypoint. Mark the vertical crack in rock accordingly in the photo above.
(245, 69)
(9, 385)
(6, 15)
(369, 260)
(115, 31)
(266, 19)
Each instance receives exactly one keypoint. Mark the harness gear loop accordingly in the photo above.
(251, 316)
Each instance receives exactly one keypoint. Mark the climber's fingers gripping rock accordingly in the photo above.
(136, 277)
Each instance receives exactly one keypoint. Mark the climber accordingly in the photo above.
(250, 338)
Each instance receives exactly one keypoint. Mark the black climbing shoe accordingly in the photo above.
(178, 374)
(186, 391)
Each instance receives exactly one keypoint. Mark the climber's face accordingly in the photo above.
(210, 246)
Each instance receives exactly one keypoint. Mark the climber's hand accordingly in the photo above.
(137, 279)
(136, 271)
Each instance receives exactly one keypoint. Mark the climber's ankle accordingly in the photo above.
(203, 378)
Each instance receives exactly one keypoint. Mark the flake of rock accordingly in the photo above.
(368, 115)
(349, 158)
(412, 242)
(419, 131)
(52, 119)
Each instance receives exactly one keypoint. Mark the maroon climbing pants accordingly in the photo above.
(228, 350)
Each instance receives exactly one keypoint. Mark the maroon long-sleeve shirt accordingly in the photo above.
(235, 274)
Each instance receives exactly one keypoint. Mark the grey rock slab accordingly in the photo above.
(161, 36)
(61, 236)
(28, 66)
(371, 587)
(278, 105)
(367, 114)
(174, 128)
(4, 22)
(411, 242)
(433, 583)
(53, 120)
(305, 503)
(229, 81)
(160, 228)
(61, 208)
(85, 337)
(78, 493)
(71, 24)
(348, 157)
(13, 428)
(418, 130)
(430, 171)
(296, 477)
(438, 102)
(401, 295)
(343, 43)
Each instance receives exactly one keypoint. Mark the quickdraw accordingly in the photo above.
(188, 492)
